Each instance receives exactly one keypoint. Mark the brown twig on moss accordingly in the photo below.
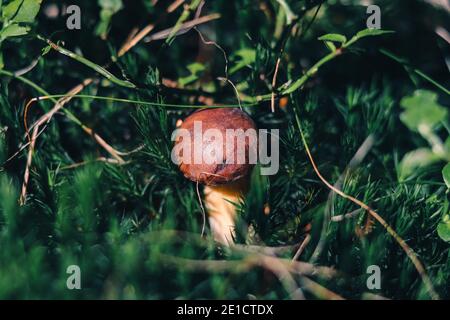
(82, 163)
(408, 250)
(357, 158)
(283, 269)
(318, 290)
(130, 43)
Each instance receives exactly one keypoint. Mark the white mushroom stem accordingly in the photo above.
(220, 203)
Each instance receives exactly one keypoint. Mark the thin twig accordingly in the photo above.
(281, 268)
(302, 247)
(27, 69)
(225, 79)
(349, 215)
(215, 44)
(174, 6)
(236, 92)
(297, 267)
(26, 176)
(318, 290)
(284, 276)
(357, 158)
(164, 34)
(74, 91)
(201, 207)
(133, 41)
(99, 69)
(188, 9)
(270, 251)
(408, 250)
(79, 164)
(274, 83)
(371, 296)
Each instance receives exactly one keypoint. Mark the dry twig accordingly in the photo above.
(408, 250)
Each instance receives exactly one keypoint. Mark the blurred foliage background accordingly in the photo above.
(132, 222)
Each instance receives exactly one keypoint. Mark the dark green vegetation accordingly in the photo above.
(132, 222)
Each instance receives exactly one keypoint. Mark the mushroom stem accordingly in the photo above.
(221, 203)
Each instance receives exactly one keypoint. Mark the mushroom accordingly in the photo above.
(227, 150)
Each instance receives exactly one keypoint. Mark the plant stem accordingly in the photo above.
(168, 105)
(408, 250)
(300, 82)
(105, 73)
(42, 91)
(404, 62)
(184, 16)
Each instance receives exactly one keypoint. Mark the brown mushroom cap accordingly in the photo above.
(222, 172)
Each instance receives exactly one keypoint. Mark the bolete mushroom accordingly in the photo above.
(221, 158)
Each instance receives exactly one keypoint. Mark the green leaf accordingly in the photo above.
(446, 174)
(372, 32)
(429, 116)
(247, 57)
(443, 228)
(196, 67)
(45, 50)
(109, 8)
(13, 30)
(24, 11)
(152, 78)
(422, 109)
(418, 99)
(28, 11)
(10, 10)
(333, 37)
(105, 73)
(330, 45)
(195, 70)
